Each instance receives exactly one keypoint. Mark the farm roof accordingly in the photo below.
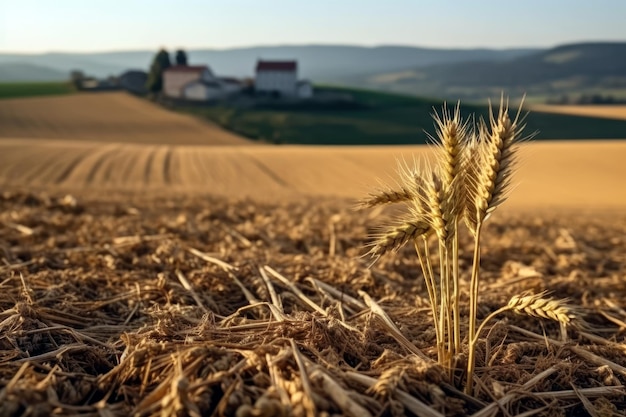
(276, 65)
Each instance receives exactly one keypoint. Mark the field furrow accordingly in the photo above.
(88, 170)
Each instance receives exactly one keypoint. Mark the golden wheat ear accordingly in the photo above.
(385, 196)
(393, 237)
(404, 191)
(451, 139)
(497, 151)
(539, 305)
(471, 173)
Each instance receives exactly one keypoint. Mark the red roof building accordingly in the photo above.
(276, 77)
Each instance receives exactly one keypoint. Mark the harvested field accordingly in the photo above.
(106, 117)
(552, 174)
(155, 276)
(205, 306)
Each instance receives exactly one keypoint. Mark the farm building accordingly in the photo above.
(202, 90)
(197, 83)
(280, 77)
(177, 77)
(133, 81)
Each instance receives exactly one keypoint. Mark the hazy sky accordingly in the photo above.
(87, 25)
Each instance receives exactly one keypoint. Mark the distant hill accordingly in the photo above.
(20, 72)
(586, 68)
(320, 63)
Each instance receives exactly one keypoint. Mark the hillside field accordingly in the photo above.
(106, 117)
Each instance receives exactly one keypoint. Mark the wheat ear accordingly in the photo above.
(452, 138)
(395, 236)
(534, 305)
(407, 188)
(537, 305)
(497, 155)
(386, 196)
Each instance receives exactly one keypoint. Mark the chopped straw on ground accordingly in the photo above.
(197, 306)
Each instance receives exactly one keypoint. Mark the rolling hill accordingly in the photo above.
(592, 68)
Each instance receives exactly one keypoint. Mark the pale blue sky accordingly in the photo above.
(86, 25)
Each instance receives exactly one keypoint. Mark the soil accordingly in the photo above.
(112, 305)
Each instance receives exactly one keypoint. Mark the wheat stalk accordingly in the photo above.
(452, 138)
(471, 179)
(487, 187)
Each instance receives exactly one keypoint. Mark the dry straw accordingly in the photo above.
(470, 180)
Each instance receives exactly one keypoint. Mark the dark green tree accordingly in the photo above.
(181, 57)
(160, 63)
(76, 78)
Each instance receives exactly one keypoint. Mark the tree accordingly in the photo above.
(76, 78)
(160, 63)
(181, 57)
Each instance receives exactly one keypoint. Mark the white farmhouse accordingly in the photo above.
(177, 77)
(277, 77)
(201, 90)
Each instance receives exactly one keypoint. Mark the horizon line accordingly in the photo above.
(312, 44)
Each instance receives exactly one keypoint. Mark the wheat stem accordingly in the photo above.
(471, 359)
(456, 297)
(431, 286)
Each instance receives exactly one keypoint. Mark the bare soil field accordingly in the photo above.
(115, 306)
(607, 111)
(106, 117)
